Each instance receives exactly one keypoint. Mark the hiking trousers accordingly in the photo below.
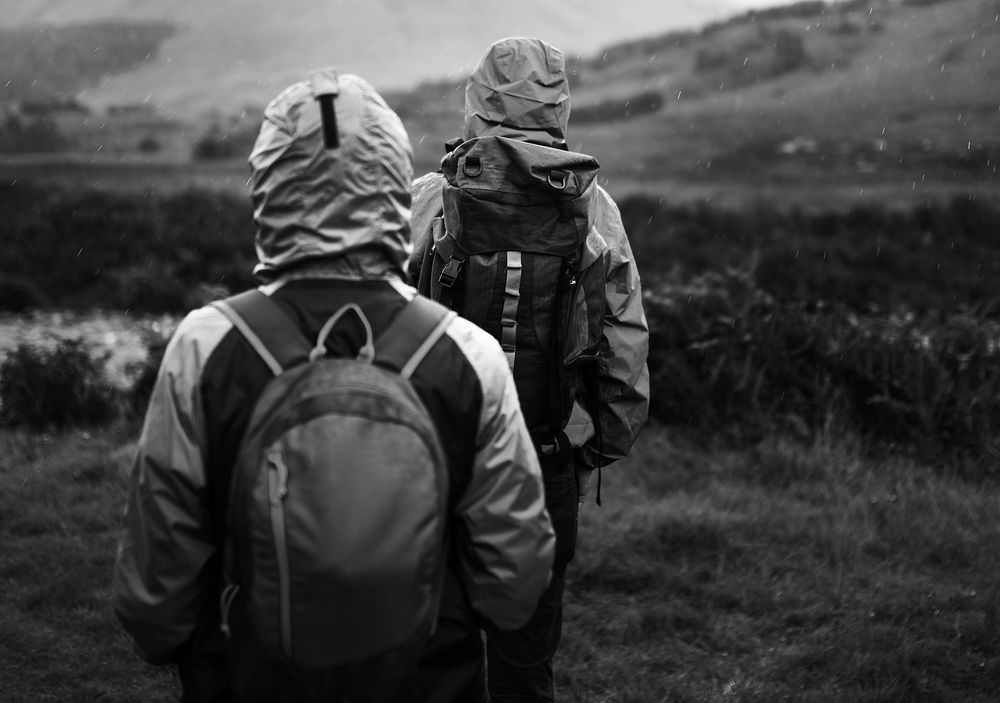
(519, 663)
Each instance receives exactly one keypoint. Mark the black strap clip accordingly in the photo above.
(324, 89)
(451, 272)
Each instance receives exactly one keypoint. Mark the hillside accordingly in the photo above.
(227, 54)
(52, 61)
(850, 93)
(815, 104)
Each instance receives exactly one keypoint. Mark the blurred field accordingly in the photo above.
(805, 189)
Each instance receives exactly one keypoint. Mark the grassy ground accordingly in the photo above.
(784, 572)
(59, 513)
(787, 572)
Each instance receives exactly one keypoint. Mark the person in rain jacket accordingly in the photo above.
(332, 228)
(519, 90)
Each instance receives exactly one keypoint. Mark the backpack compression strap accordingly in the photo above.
(411, 335)
(268, 329)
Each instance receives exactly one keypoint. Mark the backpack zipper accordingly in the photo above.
(277, 483)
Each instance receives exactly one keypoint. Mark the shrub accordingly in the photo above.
(19, 294)
(19, 135)
(234, 140)
(728, 358)
(126, 251)
(938, 257)
(61, 387)
(618, 109)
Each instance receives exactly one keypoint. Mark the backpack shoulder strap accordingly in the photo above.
(411, 335)
(267, 327)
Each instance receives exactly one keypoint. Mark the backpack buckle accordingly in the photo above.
(451, 272)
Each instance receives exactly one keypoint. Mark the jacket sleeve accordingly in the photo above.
(506, 543)
(619, 393)
(160, 581)
(426, 205)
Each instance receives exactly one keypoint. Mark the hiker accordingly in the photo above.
(515, 234)
(311, 445)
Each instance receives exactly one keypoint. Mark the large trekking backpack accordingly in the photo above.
(337, 502)
(514, 253)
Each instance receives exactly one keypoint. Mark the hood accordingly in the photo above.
(519, 90)
(313, 201)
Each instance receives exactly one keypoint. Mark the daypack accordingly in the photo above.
(514, 253)
(337, 502)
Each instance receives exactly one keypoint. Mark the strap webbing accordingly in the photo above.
(405, 343)
(402, 346)
(267, 327)
(511, 299)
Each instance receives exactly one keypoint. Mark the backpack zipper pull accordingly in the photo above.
(226, 602)
(277, 477)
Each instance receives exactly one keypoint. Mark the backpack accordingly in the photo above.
(514, 253)
(337, 502)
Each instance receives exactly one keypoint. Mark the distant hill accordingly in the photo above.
(836, 101)
(850, 91)
(48, 62)
(224, 54)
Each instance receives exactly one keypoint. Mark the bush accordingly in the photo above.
(125, 251)
(19, 294)
(234, 140)
(618, 109)
(58, 388)
(935, 258)
(26, 135)
(728, 358)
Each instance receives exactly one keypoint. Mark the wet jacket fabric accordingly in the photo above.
(519, 90)
(167, 574)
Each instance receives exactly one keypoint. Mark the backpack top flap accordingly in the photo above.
(507, 195)
(338, 501)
